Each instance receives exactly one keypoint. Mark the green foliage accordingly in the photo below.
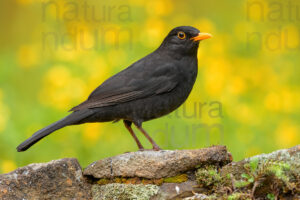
(241, 184)
(271, 196)
(279, 169)
(253, 164)
(238, 196)
(248, 179)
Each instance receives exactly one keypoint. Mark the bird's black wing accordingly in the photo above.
(133, 83)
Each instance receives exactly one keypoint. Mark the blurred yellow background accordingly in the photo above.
(54, 53)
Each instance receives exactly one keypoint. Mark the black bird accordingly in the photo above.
(150, 88)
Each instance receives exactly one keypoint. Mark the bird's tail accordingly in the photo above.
(71, 119)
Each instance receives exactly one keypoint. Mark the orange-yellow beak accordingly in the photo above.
(201, 36)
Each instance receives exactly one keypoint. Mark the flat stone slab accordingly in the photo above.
(157, 164)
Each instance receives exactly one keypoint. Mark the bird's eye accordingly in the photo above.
(181, 35)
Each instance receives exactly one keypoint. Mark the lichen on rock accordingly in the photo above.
(117, 191)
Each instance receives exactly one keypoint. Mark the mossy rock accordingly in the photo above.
(117, 191)
(208, 176)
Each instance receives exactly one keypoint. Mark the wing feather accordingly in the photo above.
(128, 86)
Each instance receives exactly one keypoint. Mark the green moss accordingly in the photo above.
(246, 181)
(176, 179)
(252, 165)
(271, 196)
(279, 169)
(103, 181)
(268, 176)
(241, 184)
(238, 196)
(208, 176)
(118, 180)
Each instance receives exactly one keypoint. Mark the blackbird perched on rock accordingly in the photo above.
(149, 88)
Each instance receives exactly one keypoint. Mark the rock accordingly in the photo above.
(199, 197)
(156, 164)
(290, 156)
(167, 191)
(175, 190)
(276, 174)
(164, 175)
(58, 179)
(124, 191)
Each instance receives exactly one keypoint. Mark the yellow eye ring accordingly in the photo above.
(181, 35)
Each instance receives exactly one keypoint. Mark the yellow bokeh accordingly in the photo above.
(8, 166)
(154, 29)
(237, 85)
(287, 134)
(24, 2)
(159, 7)
(58, 76)
(256, 10)
(284, 99)
(272, 101)
(97, 74)
(4, 113)
(92, 132)
(116, 58)
(137, 2)
(240, 28)
(112, 36)
(291, 37)
(215, 76)
(77, 89)
(53, 9)
(64, 55)
(60, 88)
(3, 121)
(28, 56)
(218, 46)
(32, 128)
(290, 103)
(252, 151)
(244, 114)
(205, 25)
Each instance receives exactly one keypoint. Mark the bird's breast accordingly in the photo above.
(163, 104)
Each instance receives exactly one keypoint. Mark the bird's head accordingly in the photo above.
(184, 40)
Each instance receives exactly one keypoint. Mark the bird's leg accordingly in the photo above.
(154, 145)
(128, 126)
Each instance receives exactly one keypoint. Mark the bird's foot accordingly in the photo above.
(145, 150)
(153, 149)
(156, 148)
(140, 149)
